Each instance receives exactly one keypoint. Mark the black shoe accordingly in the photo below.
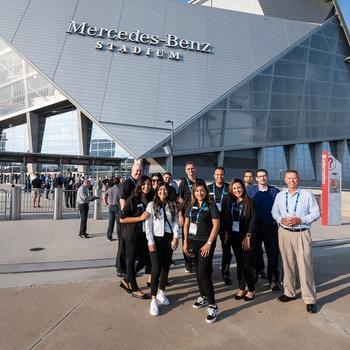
(284, 298)
(120, 274)
(227, 281)
(125, 286)
(139, 295)
(169, 283)
(83, 235)
(311, 308)
(275, 287)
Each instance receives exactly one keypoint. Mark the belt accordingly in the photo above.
(294, 229)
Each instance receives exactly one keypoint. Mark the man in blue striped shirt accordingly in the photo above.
(294, 210)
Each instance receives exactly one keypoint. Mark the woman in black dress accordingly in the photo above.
(201, 228)
(238, 220)
(133, 215)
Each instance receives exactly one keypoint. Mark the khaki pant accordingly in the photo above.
(295, 248)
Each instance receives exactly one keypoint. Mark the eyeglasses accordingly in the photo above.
(155, 180)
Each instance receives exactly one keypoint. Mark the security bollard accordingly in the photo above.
(15, 208)
(57, 210)
(97, 204)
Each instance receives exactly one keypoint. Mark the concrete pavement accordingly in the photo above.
(66, 296)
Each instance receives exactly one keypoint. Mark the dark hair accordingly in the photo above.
(158, 204)
(116, 181)
(188, 163)
(261, 171)
(168, 173)
(140, 182)
(249, 171)
(159, 175)
(219, 168)
(246, 199)
(194, 187)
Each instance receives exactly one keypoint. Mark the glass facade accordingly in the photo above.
(14, 138)
(274, 161)
(302, 97)
(59, 133)
(21, 87)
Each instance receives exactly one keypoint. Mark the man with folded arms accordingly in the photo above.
(294, 210)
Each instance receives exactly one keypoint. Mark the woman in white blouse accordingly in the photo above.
(162, 232)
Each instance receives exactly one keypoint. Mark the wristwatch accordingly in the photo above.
(210, 242)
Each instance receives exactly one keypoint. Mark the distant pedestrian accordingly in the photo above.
(83, 200)
(111, 199)
(295, 210)
(37, 186)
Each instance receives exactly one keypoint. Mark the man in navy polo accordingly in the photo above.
(266, 227)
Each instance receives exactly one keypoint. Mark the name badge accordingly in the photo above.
(140, 206)
(235, 226)
(193, 228)
(219, 206)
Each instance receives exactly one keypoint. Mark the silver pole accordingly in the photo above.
(97, 204)
(57, 210)
(15, 213)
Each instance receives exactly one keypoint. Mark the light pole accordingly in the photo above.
(171, 144)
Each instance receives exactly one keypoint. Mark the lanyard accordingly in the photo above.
(222, 193)
(199, 212)
(189, 184)
(234, 205)
(296, 203)
(132, 179)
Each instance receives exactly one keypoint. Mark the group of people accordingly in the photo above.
(153, 213)
(45, 184)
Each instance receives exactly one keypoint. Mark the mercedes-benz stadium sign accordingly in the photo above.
(109, 38)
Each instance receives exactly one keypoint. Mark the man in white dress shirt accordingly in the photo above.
(294, 210)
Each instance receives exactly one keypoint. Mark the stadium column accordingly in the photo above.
(84, 132)
(290, 152)
(221, 158)
(338, 149)
(33, 138)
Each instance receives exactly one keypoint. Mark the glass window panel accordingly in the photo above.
(299, 54)
(285, 102)
(290, 69)
(281, 134)
(316, 103)
(287, 85)
(20, 86)
(283, 119)
(319, 73)
(317, 88)
(320, 58)
(274, 161)
(14, 138)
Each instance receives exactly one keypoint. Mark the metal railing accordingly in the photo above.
(43, 201)
(4, 204)
(17, 201)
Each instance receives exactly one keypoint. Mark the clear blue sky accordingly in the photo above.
(344, 6)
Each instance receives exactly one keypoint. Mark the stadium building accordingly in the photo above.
(244, 84)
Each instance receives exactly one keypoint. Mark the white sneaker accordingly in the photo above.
(212, 313)
(162, 299)
(153, 309)
(200, 303)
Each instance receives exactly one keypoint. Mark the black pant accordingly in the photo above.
(161, 260)
(84, 210)
(134, 244)
(113, 209)
(204, 269)
(245, 260)
(187, 259)
(69, 198)
(143, 259)
(226, 256)
(120, 263)
(269, 235)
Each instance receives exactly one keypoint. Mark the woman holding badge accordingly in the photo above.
(202, 221)
(238, 220)
(162, 233)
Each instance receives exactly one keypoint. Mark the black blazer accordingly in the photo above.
(246, 224)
